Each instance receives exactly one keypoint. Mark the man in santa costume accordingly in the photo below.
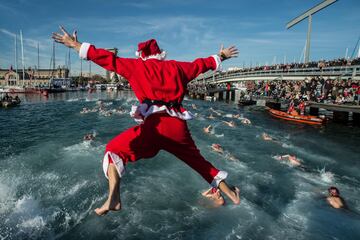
(160, 87)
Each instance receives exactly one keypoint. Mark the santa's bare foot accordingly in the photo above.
(109, 205)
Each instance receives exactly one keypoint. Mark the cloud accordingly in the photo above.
(6, 32)
(43, 44)
(137, 4)
(7, 9)
(258, 40)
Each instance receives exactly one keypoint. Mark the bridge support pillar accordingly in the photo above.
(341, 117)
(314, 111)
(356, 119)
(237, 96)
(227, 95)
(232, 96)
(221, 96)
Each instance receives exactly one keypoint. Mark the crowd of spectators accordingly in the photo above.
(341, 62)
(315, 89)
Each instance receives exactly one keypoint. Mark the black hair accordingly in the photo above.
(334, 188)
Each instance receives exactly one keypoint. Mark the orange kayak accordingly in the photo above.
(296, 118)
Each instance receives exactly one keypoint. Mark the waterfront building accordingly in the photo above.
(32, 78)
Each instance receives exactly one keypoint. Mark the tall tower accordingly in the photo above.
(308, 14)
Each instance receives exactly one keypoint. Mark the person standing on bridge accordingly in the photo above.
(160, 87)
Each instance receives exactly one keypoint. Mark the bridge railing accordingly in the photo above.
(327, 71)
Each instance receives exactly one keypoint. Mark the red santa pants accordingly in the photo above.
(159, 132)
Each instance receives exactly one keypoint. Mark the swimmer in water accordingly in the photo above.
(89, 137)
(230, 124)
(215, 196)
(334, 198)
(216, 112)
(193, 106)
(245, 121)
(211, 116)
(293, 160)
(207, 129)
(85, 110)
(266, 137)
(230, 157)
(217, 148)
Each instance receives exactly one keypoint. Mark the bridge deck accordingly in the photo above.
(335, 107)
(342, 72)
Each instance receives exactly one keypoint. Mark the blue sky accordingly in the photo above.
(185, 29)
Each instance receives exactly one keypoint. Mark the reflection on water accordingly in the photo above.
(51, 179)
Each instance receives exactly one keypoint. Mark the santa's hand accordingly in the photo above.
(67, 39)
(226, 53)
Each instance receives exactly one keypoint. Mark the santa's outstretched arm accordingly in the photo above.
(202, 65)
(102, 57)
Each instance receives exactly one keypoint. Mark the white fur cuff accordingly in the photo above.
(118, 162)
(218, 62)
(160, 56)
(222, 175)
(84, 50)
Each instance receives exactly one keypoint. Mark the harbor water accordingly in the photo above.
(51, 180)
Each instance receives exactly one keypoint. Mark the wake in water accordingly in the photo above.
(73, 100)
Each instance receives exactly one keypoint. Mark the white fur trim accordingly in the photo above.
(118, 162)
(84, 50)
(140, 112)
(159, 56)
(218, 62)
(222, 175)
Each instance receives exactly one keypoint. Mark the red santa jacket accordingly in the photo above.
(153, 79)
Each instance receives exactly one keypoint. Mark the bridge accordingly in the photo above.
(198, 88)
(340, 72)
(214, 86)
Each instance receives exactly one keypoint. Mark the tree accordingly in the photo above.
(98, 78)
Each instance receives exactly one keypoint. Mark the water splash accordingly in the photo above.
(327, 176)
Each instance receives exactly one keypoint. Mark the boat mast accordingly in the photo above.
(38, 63)
(89, 70)
(22, 57)
(52, 61)
(16, 62)
(54, 56)
(69, 62)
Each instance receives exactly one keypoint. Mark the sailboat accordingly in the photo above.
(15, 88)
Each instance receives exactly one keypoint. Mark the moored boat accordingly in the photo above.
(10, 103)
(313, 120)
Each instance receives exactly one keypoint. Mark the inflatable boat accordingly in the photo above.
(296, 118)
